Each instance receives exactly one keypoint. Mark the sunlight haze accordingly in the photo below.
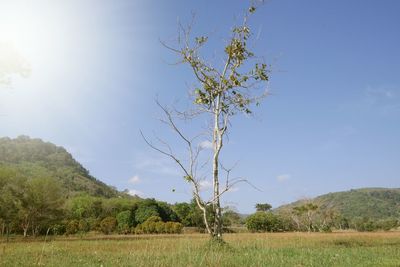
(92, 69)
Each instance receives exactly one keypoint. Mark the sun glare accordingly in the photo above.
(25, 31)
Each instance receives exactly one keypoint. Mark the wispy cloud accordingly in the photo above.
(381, 100)
(157, 165)
(376, 95)
(134, 180)
(205, 185)
(206, 144)
(283, 177)
(233, 189)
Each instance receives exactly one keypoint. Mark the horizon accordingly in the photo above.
(330, 124)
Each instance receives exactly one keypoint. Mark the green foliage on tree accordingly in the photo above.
(124, 221)
(263, 222)
(222, 91)
(263, 207)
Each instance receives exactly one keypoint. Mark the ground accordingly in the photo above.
(276, 249)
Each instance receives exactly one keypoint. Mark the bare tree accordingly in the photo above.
(223, 91)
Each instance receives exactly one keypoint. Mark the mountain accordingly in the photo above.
(36, 158)
(371, 203)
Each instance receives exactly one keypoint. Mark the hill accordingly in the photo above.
(371, 203)
(35, 158)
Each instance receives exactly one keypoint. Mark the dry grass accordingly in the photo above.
(278, 249)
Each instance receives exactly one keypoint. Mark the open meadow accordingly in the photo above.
(276, 249)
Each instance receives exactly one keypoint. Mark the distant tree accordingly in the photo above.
(223, 91)
(231, 218)
(306, 215)
(10, 194)
(263, 222)
(145, 210)
(183, 211)
(263, 207)
(124, 221)
(41, 204)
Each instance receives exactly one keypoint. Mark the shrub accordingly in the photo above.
(108, 225)
(84, 226)
(263, 222)
(154, 225)
(160, 227)
(59, 229)
(154, 219)
(177, 228)
(72, 227)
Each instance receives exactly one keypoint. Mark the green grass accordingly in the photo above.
(284, 249)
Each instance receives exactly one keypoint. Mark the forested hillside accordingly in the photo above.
(33, 158)
(365, 209)
(44, 190)
(371, 203)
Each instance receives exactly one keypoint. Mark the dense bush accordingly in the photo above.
(368, 225)
(84, 226)
(263, 222)
(108, 225)
(59, 229)
(72, 227)
(154, 225)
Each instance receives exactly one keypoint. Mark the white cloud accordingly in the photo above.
(233, 189)
(206, 144)
(283, 177)
(205, 185)
(134, 192)
(134, 180)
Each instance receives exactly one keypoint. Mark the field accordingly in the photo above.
(277, 249)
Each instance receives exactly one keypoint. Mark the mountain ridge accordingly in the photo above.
(33, 157)
(367, 202)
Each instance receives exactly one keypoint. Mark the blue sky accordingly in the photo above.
(332, 122)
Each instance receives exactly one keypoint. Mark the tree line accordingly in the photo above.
(310, 217)
(39, 205)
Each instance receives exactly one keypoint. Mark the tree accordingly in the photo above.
(305, 214)
(124, 221)
(263, 207)
(223, 91)
(41, 204)
(263, 222)
(10, 184)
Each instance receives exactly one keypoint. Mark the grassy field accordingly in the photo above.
(280, 249)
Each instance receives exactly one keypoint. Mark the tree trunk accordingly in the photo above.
(217, 144)
(217, 205)
(25, 226)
